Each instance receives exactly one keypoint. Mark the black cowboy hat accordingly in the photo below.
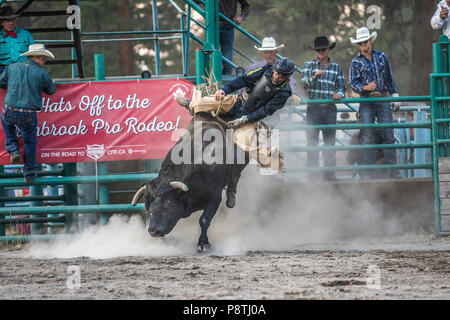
(323, 43)
(7, 13)
(284, 67)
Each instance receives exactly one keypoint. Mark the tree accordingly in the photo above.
(422, 41)
(126, 54)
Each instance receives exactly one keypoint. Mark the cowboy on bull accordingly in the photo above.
(266, 90)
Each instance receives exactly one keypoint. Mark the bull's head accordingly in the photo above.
(164, 206)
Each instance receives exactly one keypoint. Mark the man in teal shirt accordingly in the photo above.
(25, 82)
(13, 41)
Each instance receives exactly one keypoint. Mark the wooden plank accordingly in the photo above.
(444, 165)
(445, 206)
(445, 223)
(444, 190)
(444, 177)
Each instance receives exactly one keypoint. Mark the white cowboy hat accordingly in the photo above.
(38, 49)
(363, 34)
(268, 44)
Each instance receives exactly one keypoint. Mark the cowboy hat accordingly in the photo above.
(322, 43)
(268, 44)
(38, 49)
(363, 34)
(7, 13)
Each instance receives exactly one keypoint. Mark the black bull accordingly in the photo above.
(183, 188)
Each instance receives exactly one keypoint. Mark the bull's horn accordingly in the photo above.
(179, 185)
(138, 195)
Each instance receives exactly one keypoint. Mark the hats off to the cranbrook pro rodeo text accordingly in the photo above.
(363, 34)
(38, 49)
(269, 44)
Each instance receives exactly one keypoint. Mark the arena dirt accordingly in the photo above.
(293, 246)
(341, 272)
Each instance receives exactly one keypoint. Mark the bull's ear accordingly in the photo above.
(179, 185)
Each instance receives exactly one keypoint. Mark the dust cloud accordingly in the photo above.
(274, 213)
(122, 236)
(271, 214)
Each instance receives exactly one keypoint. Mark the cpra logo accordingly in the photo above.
(178, 90)
(95, 151)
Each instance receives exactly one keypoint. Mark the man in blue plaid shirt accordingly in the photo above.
(371, 76)
(322, 79)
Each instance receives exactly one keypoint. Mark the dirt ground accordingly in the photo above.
(422, 271)
(310, 241)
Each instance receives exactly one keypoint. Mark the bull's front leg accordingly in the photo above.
(205, 220)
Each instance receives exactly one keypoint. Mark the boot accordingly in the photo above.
(29, 179)
(15, 158)
(231, 199)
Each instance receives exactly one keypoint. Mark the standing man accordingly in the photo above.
(25, 81)
(269, 51)
(229, 9)
(322, 79)
(371, 76)
(13, 41)
(440, 19)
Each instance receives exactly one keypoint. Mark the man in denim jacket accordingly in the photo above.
(25, 81)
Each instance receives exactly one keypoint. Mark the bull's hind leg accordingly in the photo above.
(205, 220)
(233, 177)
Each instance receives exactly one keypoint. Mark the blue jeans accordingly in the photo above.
(27, 124)
(226, 46)
(382, 113)
(236, 112)
(321, 115)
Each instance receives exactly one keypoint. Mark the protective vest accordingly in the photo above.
(262, 92)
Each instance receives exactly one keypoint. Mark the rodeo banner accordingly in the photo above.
(108, 121)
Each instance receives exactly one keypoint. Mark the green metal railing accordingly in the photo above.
(440, 98)
(352, 126)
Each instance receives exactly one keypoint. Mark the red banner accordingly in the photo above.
(108, 121)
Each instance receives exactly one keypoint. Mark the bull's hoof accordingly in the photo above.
(203, 248)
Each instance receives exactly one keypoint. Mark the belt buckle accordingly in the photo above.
(375, 94)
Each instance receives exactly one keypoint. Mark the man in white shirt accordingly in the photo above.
(441, 17)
